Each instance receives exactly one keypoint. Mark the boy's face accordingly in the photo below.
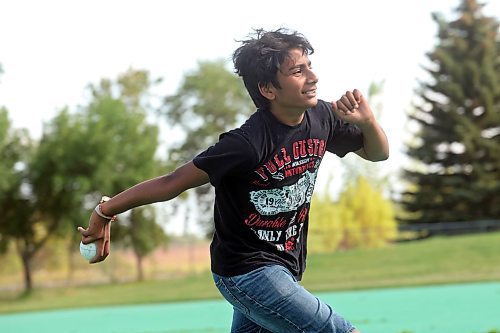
(298, 84)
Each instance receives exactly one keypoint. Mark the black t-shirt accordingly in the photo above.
(264, 174)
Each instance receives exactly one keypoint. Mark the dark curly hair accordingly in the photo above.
(259, 58)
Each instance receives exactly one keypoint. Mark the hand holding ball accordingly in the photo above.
(88, 251)
(98, 234)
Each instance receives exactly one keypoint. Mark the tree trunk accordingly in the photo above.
(140, 270)
(71, 260)
(26, 259)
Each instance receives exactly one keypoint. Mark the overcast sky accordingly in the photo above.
(51, 50)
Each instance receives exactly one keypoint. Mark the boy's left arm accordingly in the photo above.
(352, 107)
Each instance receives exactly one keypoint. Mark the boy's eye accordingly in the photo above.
(300, 70)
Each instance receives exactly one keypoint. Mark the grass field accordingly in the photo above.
(442, 260)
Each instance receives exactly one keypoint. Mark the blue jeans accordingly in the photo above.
(269, 299)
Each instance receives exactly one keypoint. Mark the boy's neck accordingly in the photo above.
(288, 117)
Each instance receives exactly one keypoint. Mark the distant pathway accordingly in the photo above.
(462, 308)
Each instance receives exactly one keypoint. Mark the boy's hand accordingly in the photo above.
(99, 231)
(353, 108)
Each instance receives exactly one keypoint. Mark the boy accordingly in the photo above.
(264, 174)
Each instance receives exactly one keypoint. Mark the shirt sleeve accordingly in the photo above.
(233, 154)
(344, 137)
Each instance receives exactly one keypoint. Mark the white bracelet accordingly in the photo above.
(98, 210)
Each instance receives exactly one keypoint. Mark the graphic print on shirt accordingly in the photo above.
(285, 199)
(280, 212)
(303, 156)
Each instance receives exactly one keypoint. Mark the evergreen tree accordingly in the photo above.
(456, 176)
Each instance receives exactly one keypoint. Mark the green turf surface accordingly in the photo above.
(459, 308)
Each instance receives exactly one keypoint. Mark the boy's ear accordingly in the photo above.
(268, 91)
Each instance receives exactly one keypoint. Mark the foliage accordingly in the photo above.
(367, 216)
(325, 226)
(361, 218)
(142, 233)
(210, 101)
(104, 148)
(15, 148)
(125, 145)
(457, 147)
(19, 221)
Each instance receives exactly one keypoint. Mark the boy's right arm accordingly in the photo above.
(154, 190)
(157, 189)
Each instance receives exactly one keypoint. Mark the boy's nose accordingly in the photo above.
(312, 77)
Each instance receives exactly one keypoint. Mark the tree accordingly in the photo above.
(325, 225)
(125, 145)
(16, 206)
(117, 127)
(106, 146)
(367, 217)
(142, 233)
(15, 149)
(457, 146)
(8, 159)
(34, 196)
(360, 218)
(57, 182)
(44, 188)
(210, 101)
